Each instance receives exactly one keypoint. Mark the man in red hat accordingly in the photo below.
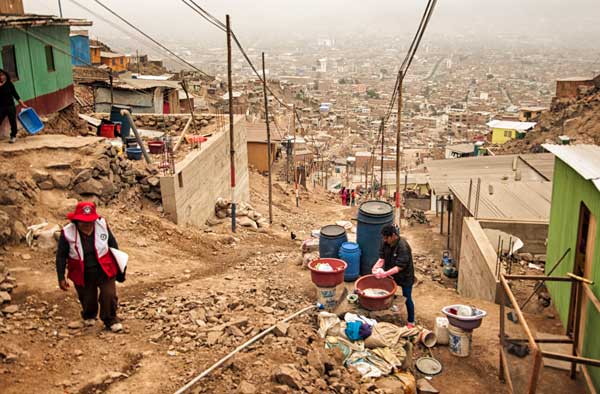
(84, 250)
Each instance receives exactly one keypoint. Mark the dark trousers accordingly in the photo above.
(410, 305)
(89, 299)
(11, 113)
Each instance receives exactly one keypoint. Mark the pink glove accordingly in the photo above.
(384, 274)
(378, 266)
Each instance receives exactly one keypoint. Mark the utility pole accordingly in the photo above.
(294, 155)
(382, 148)
(137, 55)
(398, 122)
(268, 140)
(60, 9)
(231, 136)
(110, 78)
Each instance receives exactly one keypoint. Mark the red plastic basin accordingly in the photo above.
(375, 303)
(327, 278)
(156, 147)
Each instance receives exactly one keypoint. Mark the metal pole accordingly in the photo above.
(382, 148)
(137, 55)
(110, 78)
(60, 9)
(442, 216)
(127, 114)
(398, 121)
(268, 140)
(294, 155)
(231, 136)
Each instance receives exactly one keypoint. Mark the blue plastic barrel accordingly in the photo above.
(115, 116)
(372, 216)
(350, 253)
(331, 239)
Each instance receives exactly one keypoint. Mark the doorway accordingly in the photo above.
(584, 255)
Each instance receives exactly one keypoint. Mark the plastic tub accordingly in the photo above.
(350, 253)
(331, 238)
(375, 303)
(30, 120)
(327, 278)
(134, 153)
(464, 322)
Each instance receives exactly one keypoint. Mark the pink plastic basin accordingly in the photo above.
(375, 303)
(327, 278)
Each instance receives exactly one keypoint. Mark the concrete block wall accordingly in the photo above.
(533, 234)
(476, 276)
(190, 194)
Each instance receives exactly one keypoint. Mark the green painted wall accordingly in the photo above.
(34, 78)
(569, 190)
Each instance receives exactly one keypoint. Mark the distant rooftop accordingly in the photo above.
(39, 20)
(507, 124)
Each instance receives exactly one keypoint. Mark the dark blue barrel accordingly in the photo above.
(372, 216)
(350, 253)
(331, 239)
(115, 116)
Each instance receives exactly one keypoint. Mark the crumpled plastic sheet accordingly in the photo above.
(349, 317)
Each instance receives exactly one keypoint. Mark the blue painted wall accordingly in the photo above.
(80, 51)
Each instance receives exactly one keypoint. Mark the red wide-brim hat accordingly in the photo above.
(84, 212)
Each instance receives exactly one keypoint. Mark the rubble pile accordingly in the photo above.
(246, 215)
(168, 123)
(101, 181)
(7, 284)
(16, 196)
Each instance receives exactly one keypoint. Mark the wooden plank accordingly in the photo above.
(569, 358)
(515, 304)
(555, 347)
(539, 277)
(588, 380)
(535, 371)
(507, 377)
(591, 296)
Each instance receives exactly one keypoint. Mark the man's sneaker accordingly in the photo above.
(12, 140)
(117, 327)
(89, 322)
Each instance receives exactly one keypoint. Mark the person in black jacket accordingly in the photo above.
(8, 94)
(395, 259)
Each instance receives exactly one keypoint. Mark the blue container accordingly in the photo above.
(372, 216)
(134, 153)
(350, 253)
(331, 239)
(30, 120)
(115, 116)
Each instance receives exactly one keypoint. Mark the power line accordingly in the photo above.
(152, 39)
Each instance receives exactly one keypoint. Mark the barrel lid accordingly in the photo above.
(117, 106)
(350, 246)
(333, 230)
(376, 208)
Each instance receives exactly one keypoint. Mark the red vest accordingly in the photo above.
(75, 263)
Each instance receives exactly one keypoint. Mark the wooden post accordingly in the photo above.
(137, 55)
(110, 78)
(268, 140)
(231, 135)
(399, 121)
(442, 216)
(382, 150)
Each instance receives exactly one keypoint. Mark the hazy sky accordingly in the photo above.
(563, 22)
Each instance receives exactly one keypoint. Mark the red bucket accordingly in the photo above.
(327, 278)
(156, 147)
(375, 303)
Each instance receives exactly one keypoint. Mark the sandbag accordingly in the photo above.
(383, 335)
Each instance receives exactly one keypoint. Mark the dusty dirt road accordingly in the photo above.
(192, 295)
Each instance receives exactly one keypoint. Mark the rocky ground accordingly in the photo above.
(193, 294)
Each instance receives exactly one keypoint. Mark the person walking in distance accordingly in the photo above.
(84, 250)
(8, 95)
(395, 259)
(343, 195)
(353, 197)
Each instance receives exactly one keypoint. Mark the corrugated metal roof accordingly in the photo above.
(461, 148)
(39, 20)
(527, 201)
(585, 159)
(541, 162)
(489, 168)
(257, 132)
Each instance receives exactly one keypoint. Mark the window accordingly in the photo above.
(50, 58)
(507, 133)
(9, 61)
(121, 60)
(114, 62)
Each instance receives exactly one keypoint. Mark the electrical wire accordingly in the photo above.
(152, 39)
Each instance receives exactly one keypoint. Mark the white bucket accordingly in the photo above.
(459, 341)
(327, 296)
(441, 330)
